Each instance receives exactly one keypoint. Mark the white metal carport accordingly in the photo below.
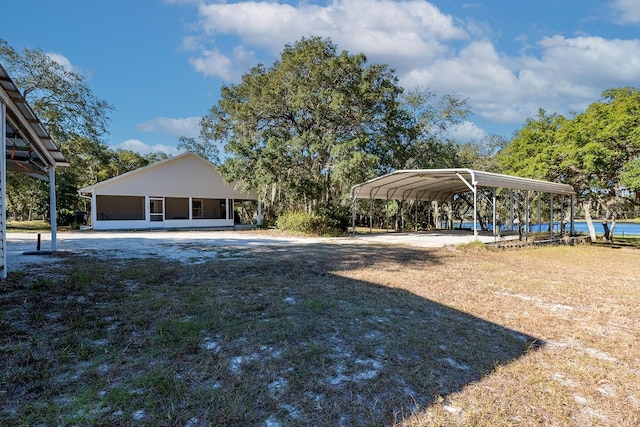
(28, 149)
(442, 184)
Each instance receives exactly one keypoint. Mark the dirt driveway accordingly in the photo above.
(196, 246)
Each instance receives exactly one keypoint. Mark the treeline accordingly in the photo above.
(77, 121)
(305, 129)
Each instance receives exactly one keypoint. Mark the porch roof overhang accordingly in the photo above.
(442, 184)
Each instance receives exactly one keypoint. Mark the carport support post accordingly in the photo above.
(527, 217)
(511, 215)
(494, 215)
(370, 216)
(475, 211)
(572, 229)
(551, 215)
(539, 212)
(52, 205)
(386, 219)
(353, 216)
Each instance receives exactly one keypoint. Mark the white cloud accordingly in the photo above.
(67, 65)
(465, 132)
(626, 11)
(393, 32)
(144, 148)
(189, 126)
(566, 75)
(427, 48)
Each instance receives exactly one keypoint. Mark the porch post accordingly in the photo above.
(94, 210)
(259, 219)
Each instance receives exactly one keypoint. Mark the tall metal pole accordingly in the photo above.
(475, 210)
(539, 212)
(551, 215)
(52, 206)
(371, 216)
(511, 212)
(495, 216)
(353, 215)
(572, 229)
(527, 216)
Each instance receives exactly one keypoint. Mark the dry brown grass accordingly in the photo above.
(327, 334)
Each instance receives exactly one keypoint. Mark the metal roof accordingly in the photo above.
(442, 184)
(30, 148)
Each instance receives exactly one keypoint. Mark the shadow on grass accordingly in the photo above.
(285, 335)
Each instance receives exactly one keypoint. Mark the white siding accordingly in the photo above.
(184, 176)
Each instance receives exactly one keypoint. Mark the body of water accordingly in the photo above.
(622, 228)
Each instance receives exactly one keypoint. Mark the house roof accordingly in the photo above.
(442, 184)
(30, 148)
(140, 172)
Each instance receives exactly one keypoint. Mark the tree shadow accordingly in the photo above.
(278, 334)
(357, 352)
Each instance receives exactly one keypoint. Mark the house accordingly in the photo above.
(184, 191)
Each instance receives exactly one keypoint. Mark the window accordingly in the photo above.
(119, 208)
(209, 208)
(176, 208)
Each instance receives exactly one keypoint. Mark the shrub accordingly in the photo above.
(302, 222)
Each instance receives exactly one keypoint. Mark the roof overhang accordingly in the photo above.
(29, 147)
(442, 184)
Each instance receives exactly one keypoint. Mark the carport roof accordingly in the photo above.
(442, 184)
(30, 149)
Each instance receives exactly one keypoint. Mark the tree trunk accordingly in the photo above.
(613, 226)
(587, 215)
(607, 233)
(436, 215)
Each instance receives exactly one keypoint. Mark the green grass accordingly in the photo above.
(28, 226)
(37, 226)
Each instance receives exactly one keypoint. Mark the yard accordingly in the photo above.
(325, 334)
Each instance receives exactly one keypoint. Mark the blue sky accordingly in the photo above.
(161, 63)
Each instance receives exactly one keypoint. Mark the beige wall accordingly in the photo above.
(183, 176)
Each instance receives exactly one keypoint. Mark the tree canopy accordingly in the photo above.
(597, 152)
(76, 119)
(304, 130)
